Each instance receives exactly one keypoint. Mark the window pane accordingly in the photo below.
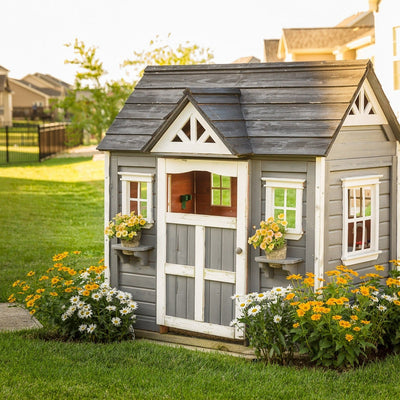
(291, 198)
(134, 206)
(226, 197)
(143, 209)
(216, 180)
(216, 197)
(277, 211)
(350, 239)
(143, 190)
(279, 196)
(354, 202)
(134, 190)
(226, 182)
(291, 218)
(367, 200)
(367, 239)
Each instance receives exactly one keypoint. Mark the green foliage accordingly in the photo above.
(267, 319)
(75, 302)
(162, 52)
(92, 105)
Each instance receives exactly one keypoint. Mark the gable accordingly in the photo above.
(190, 133)
(365, 109)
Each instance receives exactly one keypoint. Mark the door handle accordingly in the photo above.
(239, 250)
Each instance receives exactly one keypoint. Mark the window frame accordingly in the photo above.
(270, 185)
(128, 177)
(372, 253)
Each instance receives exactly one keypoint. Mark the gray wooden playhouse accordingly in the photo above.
(206, 152)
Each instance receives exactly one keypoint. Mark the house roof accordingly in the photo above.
(53, 80)
(271, 50)
(245, 60)
(4, 86)
(283, 108)
(47, 91)
(362, 18)
(298, 39)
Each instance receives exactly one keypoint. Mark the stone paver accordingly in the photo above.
(16, 318)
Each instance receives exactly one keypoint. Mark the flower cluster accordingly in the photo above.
(271, 234)
(78, 303)
(125, 226)
(342, 323)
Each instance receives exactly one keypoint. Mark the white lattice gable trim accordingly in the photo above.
(366, 109)
(190, 134)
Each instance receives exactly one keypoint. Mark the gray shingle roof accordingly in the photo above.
(283, 108)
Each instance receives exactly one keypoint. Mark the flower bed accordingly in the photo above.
(341, 324)
(76, 302)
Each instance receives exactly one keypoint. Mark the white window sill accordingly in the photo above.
(360, 258)
(294, 235)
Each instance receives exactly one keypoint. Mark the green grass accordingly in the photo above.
(58, 206)
(45, 209)
(35, 369)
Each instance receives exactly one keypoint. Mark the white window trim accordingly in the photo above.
(298, 184)
(360, 256)
(126, 178)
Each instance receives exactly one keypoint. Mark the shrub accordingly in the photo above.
(76, 302)
(267, 320)
(343, 323)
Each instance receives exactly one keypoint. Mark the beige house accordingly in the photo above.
(33, 95)
(373, 34)
(5, 98)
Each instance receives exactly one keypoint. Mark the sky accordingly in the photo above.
(34, 32)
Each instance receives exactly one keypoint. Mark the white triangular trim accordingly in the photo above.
(193, 145)
(361, 114)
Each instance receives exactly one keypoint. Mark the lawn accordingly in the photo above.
(45, 209)
(57, 206)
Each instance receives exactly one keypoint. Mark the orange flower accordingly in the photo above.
(337, 317)
(349, 337)
(379, 267)
(300, 313)
(341, 281)
(53, 294)
(365, 322)
(344, 324)
(294, 276)
(316, 317)
(86, 293)
(289, 296)
(309, 281)
(357, 329)
(296, 325)
(354, 317)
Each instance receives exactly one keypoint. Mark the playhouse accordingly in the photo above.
(206, 152)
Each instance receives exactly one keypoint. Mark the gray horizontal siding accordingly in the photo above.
(132, 277)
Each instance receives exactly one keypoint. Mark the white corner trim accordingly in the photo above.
(107, 214)
(319, 220)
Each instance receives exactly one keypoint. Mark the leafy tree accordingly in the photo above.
(93, 105)
(161, 52)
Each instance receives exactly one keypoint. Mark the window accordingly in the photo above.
(396, 41)
(396, 56)
(137, 194)
(285, 196)
(360, 219)
(220, 190)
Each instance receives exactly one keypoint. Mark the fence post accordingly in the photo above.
(7, 143)
(39, 144)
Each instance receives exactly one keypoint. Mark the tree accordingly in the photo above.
(93, 105)
(161, 52)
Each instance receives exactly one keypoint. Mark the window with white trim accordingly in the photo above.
(360, 238)
(137, 194)
(285, 196)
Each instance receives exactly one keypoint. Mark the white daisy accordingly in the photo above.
(254, 310)
(109, 298)
(64, 317)
(74, 299)
(233, 322)
(111, 308)
(381, 308)
(133, 305)
(85, 275)
(91, 328)
(374, 299)
(82, 328)
(80, 304)
(96, 296)
(116, 321)
(71, 309)
(277, 319)
(125, 311)
(236, 296)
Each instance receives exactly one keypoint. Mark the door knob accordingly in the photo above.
(239, 250)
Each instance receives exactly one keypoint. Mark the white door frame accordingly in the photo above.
(237, 169)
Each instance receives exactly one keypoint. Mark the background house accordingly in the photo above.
(373, 34)
(34, 95)
(5, 98)
(237, 143)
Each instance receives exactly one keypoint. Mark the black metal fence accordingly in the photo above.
(29, 143)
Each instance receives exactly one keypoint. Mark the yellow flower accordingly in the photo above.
(40, 290)
(30, 303)
(337, 317)
(32, 312)
(300, 313)
(86, 293)
(53, 294)
(281, 216)
(341, 281)
(43, 278)
(304, 306)
(271, 246)
(365, 322)
(296, 325)
(379, 267)
(349, 337)
(331, 273)
(357, 329)
(25, 288)
(289, 296)
(76, 252)
(55, 280)
(397, 302)
(364, 290)
(68, 290)
(344, 324)
(30, 273)
(354, 317)
(11, 298)
(309, 281)
(316, 317)
(294, 277)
